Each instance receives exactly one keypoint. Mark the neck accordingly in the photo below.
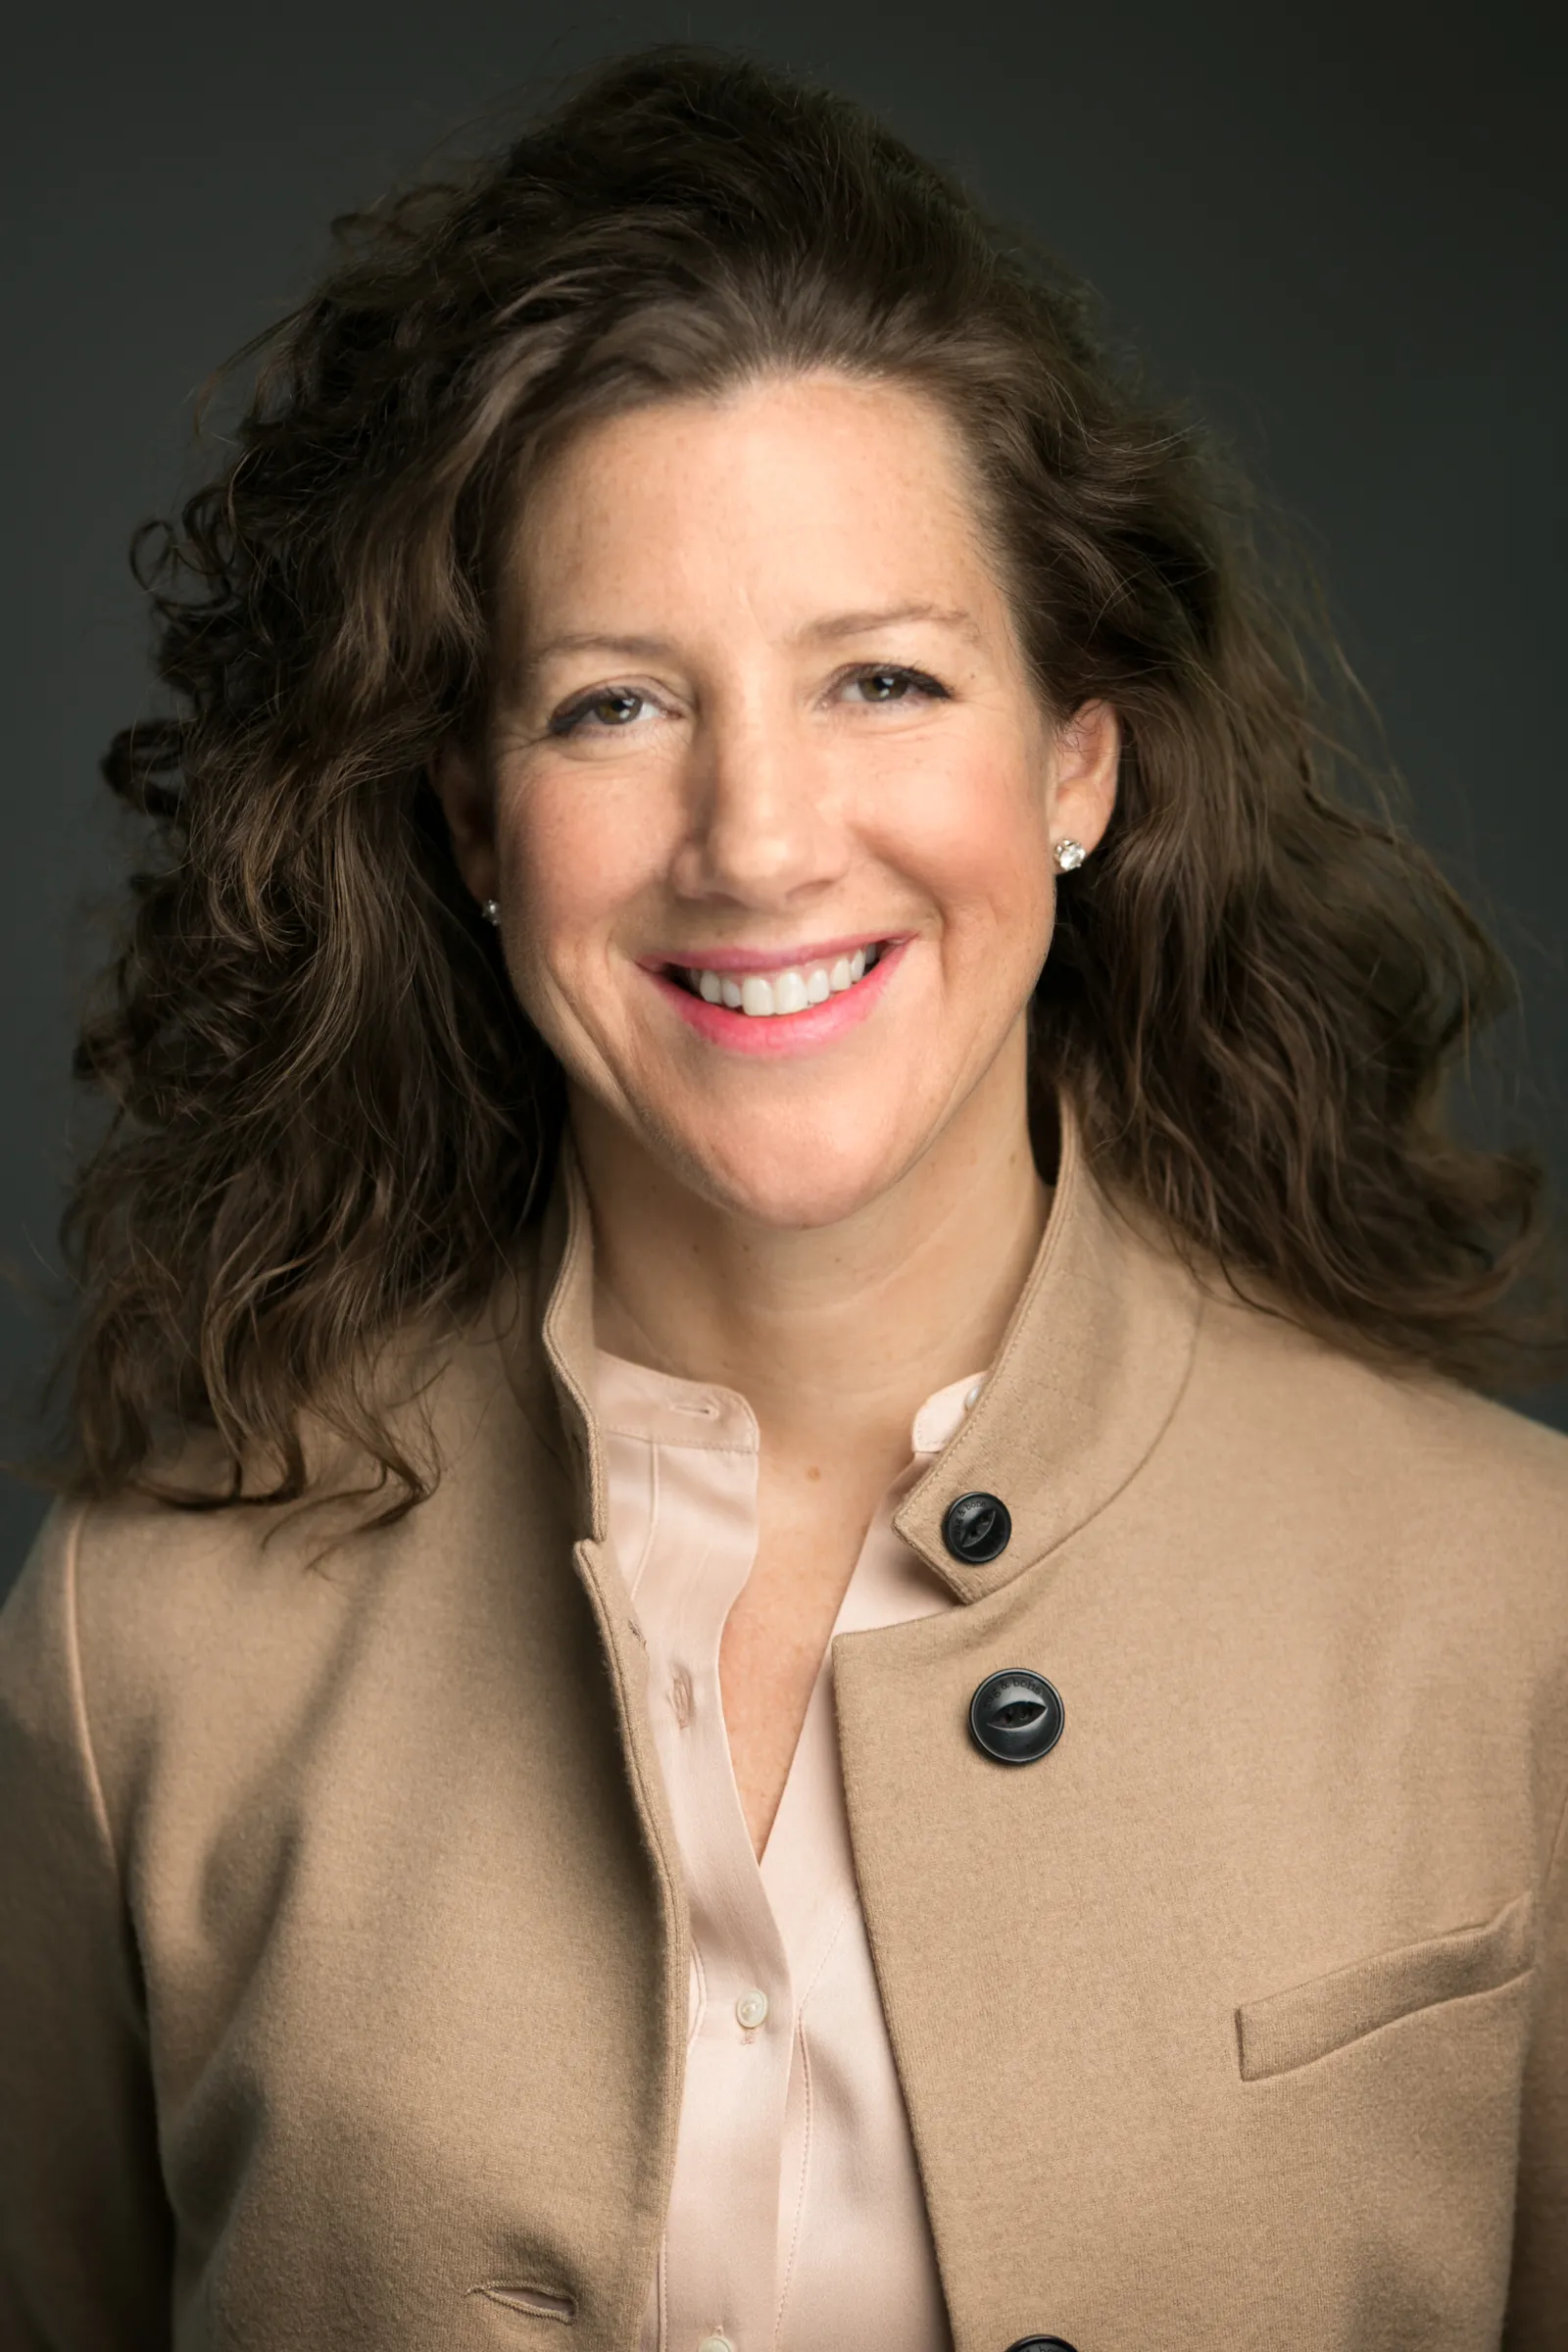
(834, 1334)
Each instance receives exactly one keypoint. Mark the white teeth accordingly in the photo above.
(762, 994)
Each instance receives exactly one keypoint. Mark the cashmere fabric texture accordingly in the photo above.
(345, 1961)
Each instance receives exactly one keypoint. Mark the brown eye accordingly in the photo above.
(890, 683)
(611, 707)
(615, 709)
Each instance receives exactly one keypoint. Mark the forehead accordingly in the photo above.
(783, 498)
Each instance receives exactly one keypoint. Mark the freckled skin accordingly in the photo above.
(760, 690)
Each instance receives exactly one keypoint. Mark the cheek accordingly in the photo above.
(975, 835)
(573, 856)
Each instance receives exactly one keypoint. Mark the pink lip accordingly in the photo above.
(782, 1034)
(765, 960)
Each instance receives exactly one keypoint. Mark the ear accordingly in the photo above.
(467, 801)
(1084, 760)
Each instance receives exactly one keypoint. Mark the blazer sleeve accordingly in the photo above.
(1537, 2294)
(86, 2232)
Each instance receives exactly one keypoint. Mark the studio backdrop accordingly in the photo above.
(1333, 231)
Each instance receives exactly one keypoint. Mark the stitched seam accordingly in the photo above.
(649, 1819)
(636, 1577)
(808, 2103)
(806, 2166)
(79, 1695)
(701, 1974)
(827, 1950)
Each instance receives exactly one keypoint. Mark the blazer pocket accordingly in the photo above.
(1291, 2029)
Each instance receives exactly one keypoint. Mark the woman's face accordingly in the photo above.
(769, 799)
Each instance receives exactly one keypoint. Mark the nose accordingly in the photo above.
(764, 828)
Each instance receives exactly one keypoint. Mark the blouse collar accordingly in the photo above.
(1090, 1369)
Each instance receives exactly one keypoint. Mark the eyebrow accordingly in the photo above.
(828, 630)
(863, 624)
(590, 641)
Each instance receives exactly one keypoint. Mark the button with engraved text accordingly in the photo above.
(1017, 1718)
(976, 1528)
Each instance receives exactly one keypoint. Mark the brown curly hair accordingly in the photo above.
(329, 1116)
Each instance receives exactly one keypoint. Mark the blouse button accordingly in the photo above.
(751, 2010)
(715, 2343)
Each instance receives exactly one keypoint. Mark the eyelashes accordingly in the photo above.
(610, 709)
(900, 679)
(613, 700)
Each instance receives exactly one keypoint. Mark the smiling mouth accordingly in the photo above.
(793, 988)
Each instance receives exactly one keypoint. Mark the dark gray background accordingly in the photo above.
(1334, 229)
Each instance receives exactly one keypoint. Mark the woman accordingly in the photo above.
(774, 1624)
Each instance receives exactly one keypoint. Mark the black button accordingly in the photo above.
(1041, 2343)
(976, 1528)
(1017, 1718)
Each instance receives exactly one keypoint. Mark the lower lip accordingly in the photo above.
(781, 1034)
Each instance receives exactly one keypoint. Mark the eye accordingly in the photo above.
(604, 707)
(890, 682)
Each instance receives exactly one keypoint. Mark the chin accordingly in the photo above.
(795, 1189)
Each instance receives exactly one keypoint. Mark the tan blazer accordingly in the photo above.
(343, 1969)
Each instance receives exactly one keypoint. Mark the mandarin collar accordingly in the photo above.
(1088, 1371)
(1092, 1363)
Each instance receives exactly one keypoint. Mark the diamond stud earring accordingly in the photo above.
(491, 909)
(1069, 856)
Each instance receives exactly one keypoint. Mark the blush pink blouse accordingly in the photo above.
(796, 2219)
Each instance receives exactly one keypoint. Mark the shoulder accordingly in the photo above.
(1403, 1477)
(1323, 1400)
(183, 1637)
(1385, 1537)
